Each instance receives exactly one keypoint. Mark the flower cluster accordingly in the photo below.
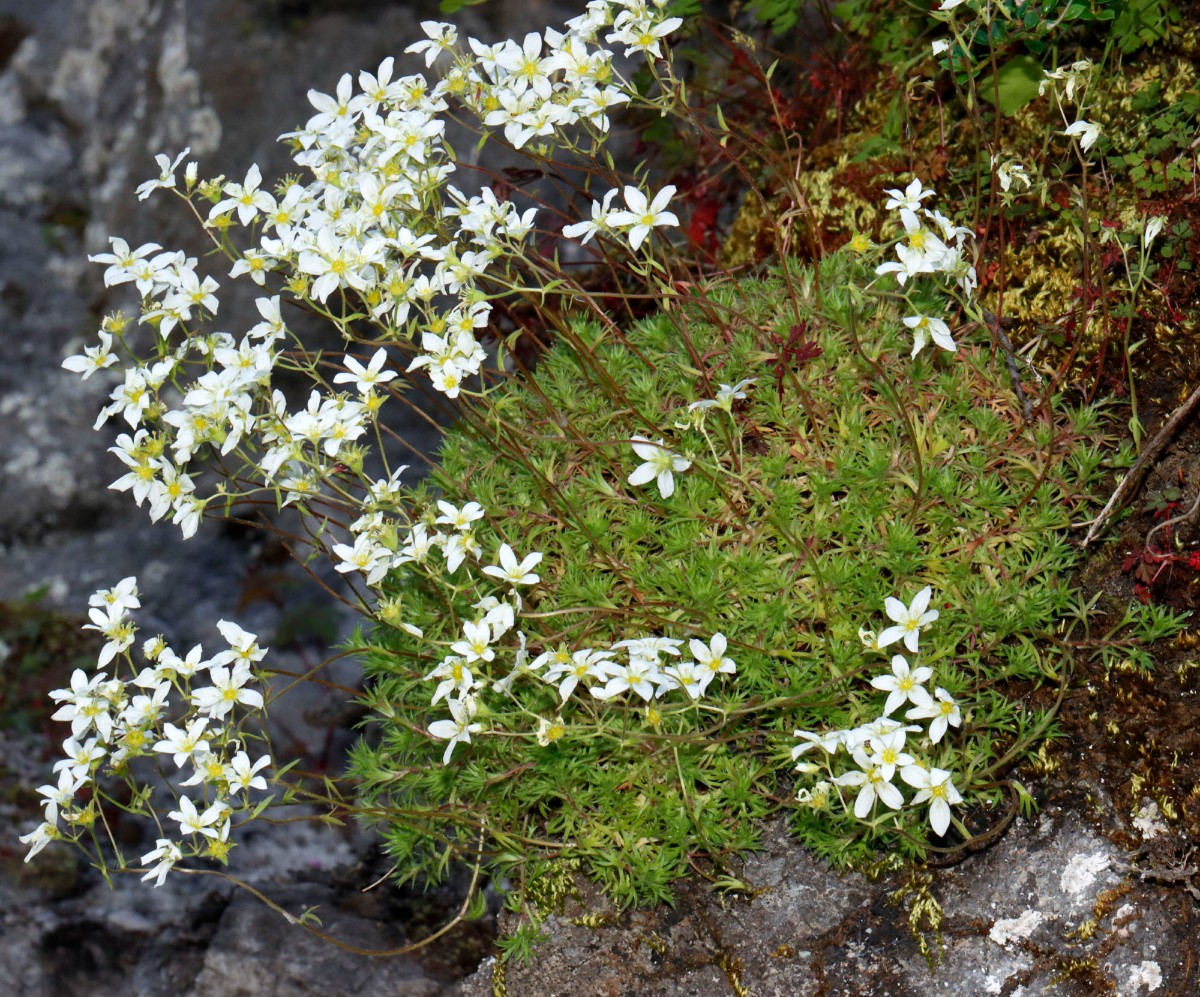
(642, 674)
(114, 721)
(470, 665)
(880, 750)
(1066, 81)
(660, 464)
(635, 220)
(928, 249)
(377, 232)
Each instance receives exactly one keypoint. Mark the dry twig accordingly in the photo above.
(1129, 485)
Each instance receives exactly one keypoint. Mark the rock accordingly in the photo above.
(1072, 920)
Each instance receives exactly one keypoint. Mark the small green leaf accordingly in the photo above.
(1014, 86)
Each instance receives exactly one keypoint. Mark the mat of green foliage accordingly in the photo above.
(850, 473)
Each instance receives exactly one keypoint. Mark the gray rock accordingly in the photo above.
(1051, 908)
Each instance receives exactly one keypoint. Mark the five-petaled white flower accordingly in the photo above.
(586, 663)
(870, 776)
(460, 728)
(191, 821)
(661, 464)
(245, 197)
(166, 175)
(365, 378)
(727, 394)
(642, 216)
(513, 572)
(711, 657)
(474, 646)
(242, 774)
(935, 786)
(228, 689)
(93, 358)
(1086, 131)
(910, 620)
(943, 712)
(904, 684)
(908, 199)
(165, 854)
(925, 327)
(599, 222)
(183, 744)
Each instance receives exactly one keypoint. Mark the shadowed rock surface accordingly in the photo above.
(1051, 908)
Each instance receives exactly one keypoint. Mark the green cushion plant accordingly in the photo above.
(848, 474)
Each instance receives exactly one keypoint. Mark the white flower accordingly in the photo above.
(192, 821)
(460, 728)
(165, 854)
(39, 838)
(935, 786)
(727, 394)
(367, 556)
(243, 645)
(1086, 131)
(909, 199)
(117, 629)
(829, 741)
(912, 262)
(1074, 75)
(245, 197)
(184, 744)
(365, 378)
(166, 175)
(550, 731)
(61, 796)
(1011, 172)
(887, 751)
(870, 777)
(442, 38)
(93, 358)
(638, 676)
(122, 596)
(642, 216)
(660, 465)
(1153, 227)
(242, 774)
(599, 221)
(711, 657)
(454, 675)
(512, 572)
(227, 690)
(925, 327)
(639, 34)
(460, 519)
(689, 676)
(904, 684)
(583, 664)
(943, 712)
(475, 646)
(910, 620)
(79, 757)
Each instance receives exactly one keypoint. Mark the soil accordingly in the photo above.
(1130, 737)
